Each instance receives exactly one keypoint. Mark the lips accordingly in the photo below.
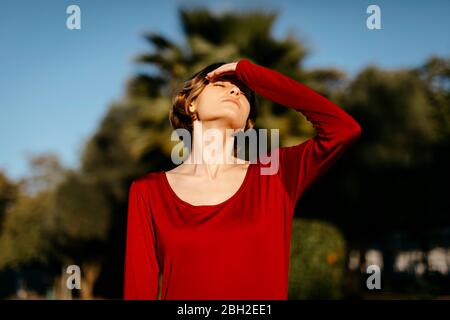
(232, 100)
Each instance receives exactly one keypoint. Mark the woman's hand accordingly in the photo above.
(229, 68)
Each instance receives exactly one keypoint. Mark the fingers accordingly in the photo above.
(216, 72)
(228, 68)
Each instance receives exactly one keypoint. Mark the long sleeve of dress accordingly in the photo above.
(141, 265)
(302, 164)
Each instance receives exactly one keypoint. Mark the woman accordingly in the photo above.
(222, 229)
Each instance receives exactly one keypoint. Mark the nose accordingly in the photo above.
(235, 90)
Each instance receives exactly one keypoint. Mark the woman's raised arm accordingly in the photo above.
(302, 164)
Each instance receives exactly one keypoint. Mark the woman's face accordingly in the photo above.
(226, 100)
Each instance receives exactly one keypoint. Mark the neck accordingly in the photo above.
(212, 149)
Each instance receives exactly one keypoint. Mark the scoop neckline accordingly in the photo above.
(241, 188)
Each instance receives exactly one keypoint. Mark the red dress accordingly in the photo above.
(240, 248)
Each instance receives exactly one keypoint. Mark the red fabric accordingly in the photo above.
(240, 248)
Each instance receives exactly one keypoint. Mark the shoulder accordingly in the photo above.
(146, 180)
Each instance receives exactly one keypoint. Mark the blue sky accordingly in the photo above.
(56, 84)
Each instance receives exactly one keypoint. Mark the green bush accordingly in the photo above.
(317, 261)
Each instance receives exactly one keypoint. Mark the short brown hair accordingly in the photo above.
(181, 117)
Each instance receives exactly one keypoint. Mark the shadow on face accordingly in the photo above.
(234, 80)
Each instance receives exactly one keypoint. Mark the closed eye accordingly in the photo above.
(244, 92)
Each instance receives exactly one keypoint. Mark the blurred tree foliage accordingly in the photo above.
(8, 193)
(59, 219)
(318, 255)
(25, 235)
(399, 101)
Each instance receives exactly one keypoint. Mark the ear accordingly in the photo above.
(192, 107)
(193, 111)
